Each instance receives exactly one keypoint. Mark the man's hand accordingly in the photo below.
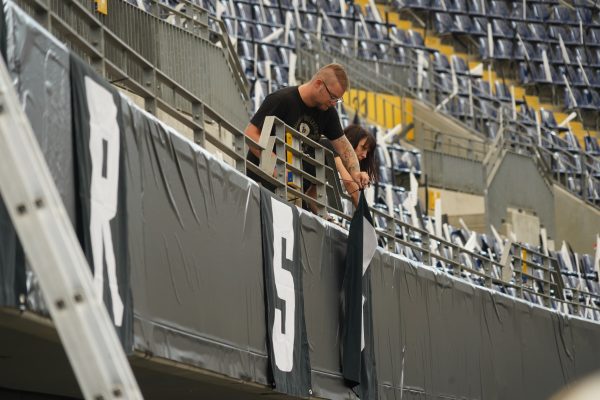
(344, 149)
(361, 179)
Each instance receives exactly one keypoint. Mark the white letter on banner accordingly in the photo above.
(104, 152)
(283, 335)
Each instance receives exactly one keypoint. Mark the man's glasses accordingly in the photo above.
(332, 98)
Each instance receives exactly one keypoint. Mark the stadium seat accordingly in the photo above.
(548, 121)
(591, 145)
(498, 8)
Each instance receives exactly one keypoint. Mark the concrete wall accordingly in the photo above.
(576, 222)
(457, 205)
(454, 173)
(524, 225)
(518, 184)
(440, 122)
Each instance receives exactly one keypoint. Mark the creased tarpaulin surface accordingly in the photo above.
(195, 250)
(39, 67)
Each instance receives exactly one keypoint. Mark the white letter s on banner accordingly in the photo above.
(283, 335)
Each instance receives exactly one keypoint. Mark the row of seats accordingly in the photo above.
(272, 59)
(547, 11)
(553, 44)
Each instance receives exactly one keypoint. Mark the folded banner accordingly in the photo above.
(358, 359)
(101, 219)
(286, 329)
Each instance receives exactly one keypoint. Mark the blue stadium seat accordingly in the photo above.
(413, 4)
(498, 8)
(399, 55)
(593, 190)
(535, 73)
(460, 65)
(463, 24)
(459, 107)
(591, 98)
(593, 37)
(584, 15)
(489, 109)
(565, 32)
(538, 32)
(439, 5)
(589, 274)
(523, 49)
(384, 174)
(501, 29)
(580, 53)
(443, 82)
(591, 145)
(572, 142)
(517, 12)
(503, 49)
(540, 12)
(440, 62)
(502, 92)
(443, 23)
(474, 8)
(380, 221)
(405, 161)
(457, 6)
(399, 195)
(562, 15)
(548, 121)
(482, 89)
(330, 7)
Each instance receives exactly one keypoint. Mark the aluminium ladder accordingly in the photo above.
(54, 253)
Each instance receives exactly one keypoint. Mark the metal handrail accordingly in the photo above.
(290, 142)
(491, 271)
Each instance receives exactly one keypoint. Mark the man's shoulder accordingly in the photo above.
(290, 92)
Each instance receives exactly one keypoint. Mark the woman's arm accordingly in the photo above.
(351, 186)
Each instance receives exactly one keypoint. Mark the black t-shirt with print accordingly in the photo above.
(287, 105)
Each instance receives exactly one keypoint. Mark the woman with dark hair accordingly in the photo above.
(363, 143)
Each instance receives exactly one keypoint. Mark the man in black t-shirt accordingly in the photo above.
(308, 108)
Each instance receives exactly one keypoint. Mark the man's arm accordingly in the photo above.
(349, 184)
(253, 133)
(344, 149)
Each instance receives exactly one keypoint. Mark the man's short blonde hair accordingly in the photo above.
(336, 70)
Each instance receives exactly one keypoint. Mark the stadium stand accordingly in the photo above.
(520, 68)
(267, 35)
(271, 32)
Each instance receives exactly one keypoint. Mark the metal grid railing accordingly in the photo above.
(135, 69)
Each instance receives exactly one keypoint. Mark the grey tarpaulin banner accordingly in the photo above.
(284, 299)
(100, 179)
(358, 358)
(39, 66)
